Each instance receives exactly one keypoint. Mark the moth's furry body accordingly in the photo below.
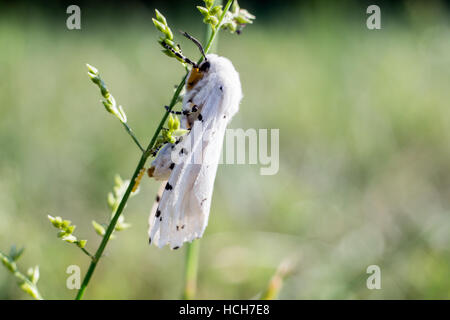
(181, 211)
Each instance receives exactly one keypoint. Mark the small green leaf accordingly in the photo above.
(15, 254)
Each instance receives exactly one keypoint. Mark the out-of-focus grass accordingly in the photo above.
(364, 158)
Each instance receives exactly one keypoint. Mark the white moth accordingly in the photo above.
(181, 210)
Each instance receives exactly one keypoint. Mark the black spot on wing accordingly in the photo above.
(158, 213)
(168, 186)
(172, 166)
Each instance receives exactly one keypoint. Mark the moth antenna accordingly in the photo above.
(179, 55)
(197, 43)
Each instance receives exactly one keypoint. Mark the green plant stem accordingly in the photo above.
(192, 253)
(87, 253)
(133, 136)
(145, 155)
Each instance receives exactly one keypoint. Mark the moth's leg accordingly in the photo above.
(179, 55)
(156, 151)
(185, 112)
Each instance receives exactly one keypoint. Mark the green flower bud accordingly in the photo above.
(33, 274)
(213, 20)
(56, 221)
(160, 17)
(170, 43)
(216, 11)
(111, 200)
(161, 27)
(170, 122)
(8, 263)
(108, 106)
(244, 17)
(92, 69)
(176, 124)
(70, 229)
(81, 243)
(32, 291)
(209, 3)
(203, 11)
(169, 33)
(98, 228)
(69, 238)
(61, 234)
(95, 79)
(235, 7)
(65, 224)
(118, 180)
(122, 226)
(179, 132)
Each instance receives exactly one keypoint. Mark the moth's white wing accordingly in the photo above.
(182, 214)
(161, 166)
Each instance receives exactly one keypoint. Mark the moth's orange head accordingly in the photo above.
(197, 74)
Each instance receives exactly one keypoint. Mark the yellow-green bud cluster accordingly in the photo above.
(66, 230)
(236, 19)
(109, 102)
(211, 13)
(28, 282)
(169, 134)
(113, 200)
(167, 39)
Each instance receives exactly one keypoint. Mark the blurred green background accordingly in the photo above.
(364, 175)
